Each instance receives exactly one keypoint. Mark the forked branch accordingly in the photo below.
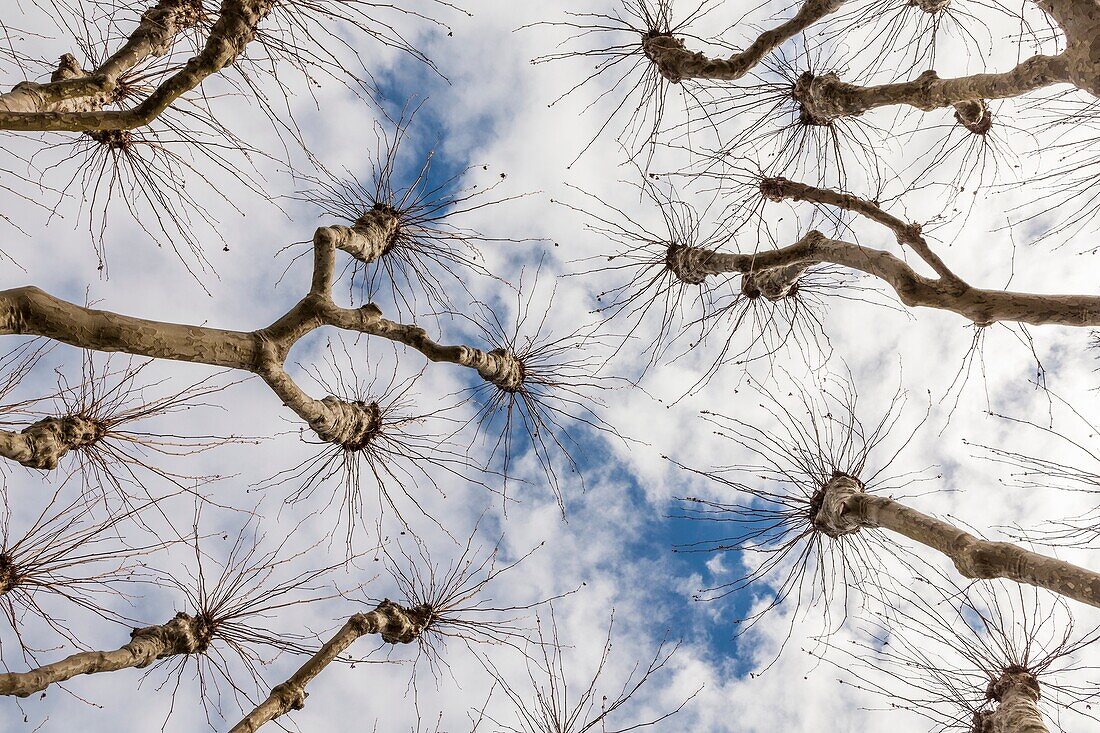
(29, 310)
(945, 292)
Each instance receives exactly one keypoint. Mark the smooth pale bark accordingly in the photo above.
(979, 305)
(1017, 695)
(31, 311)
(181, 635)
(396, 625)
(846, 508)
(230, 33)
(947, 291)
(676, 63)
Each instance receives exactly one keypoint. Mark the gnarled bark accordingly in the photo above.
(184, 634)
(1017, 694)
(44, 443)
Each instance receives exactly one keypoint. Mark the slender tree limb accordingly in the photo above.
(847, 508)
(396, 624)
(676, 63)
(779, 189)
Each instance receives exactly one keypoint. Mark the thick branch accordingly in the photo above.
(45, 443)
(396, 624)
(676, 63)
(846, 508)
(31, 311)
(74, 90)
(229, 35)
(181, 635)
(979, 305)
(826, 97)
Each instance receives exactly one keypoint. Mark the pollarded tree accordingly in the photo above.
(774, 119)
(133, 117)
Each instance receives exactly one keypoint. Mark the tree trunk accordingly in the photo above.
(1017, 696)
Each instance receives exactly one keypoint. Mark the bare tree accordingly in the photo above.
(762, 203)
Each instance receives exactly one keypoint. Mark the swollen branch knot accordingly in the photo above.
(379, 228)
(8, 575)
(291, 696)
(930, 6)
(403, 625)
(184, 634)
(667, 53)
(774, 283)
(504, 370)
(974, 115)
(690, 265)
(51, 438)
(351, 425)
(833, 510)
(113, 139)
(774, 188)
(818, 99)
(1014, 677)
(67, 68)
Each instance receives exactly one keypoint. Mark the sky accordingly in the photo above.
(496, 109)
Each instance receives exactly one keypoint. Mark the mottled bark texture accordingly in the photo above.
(184, 634)
(693, 265)
(1016, 693)
(824, 97)
(396, 624)
(843, 507)
(72, 89)
(675, 63)
(46, 107)
(30, 311)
